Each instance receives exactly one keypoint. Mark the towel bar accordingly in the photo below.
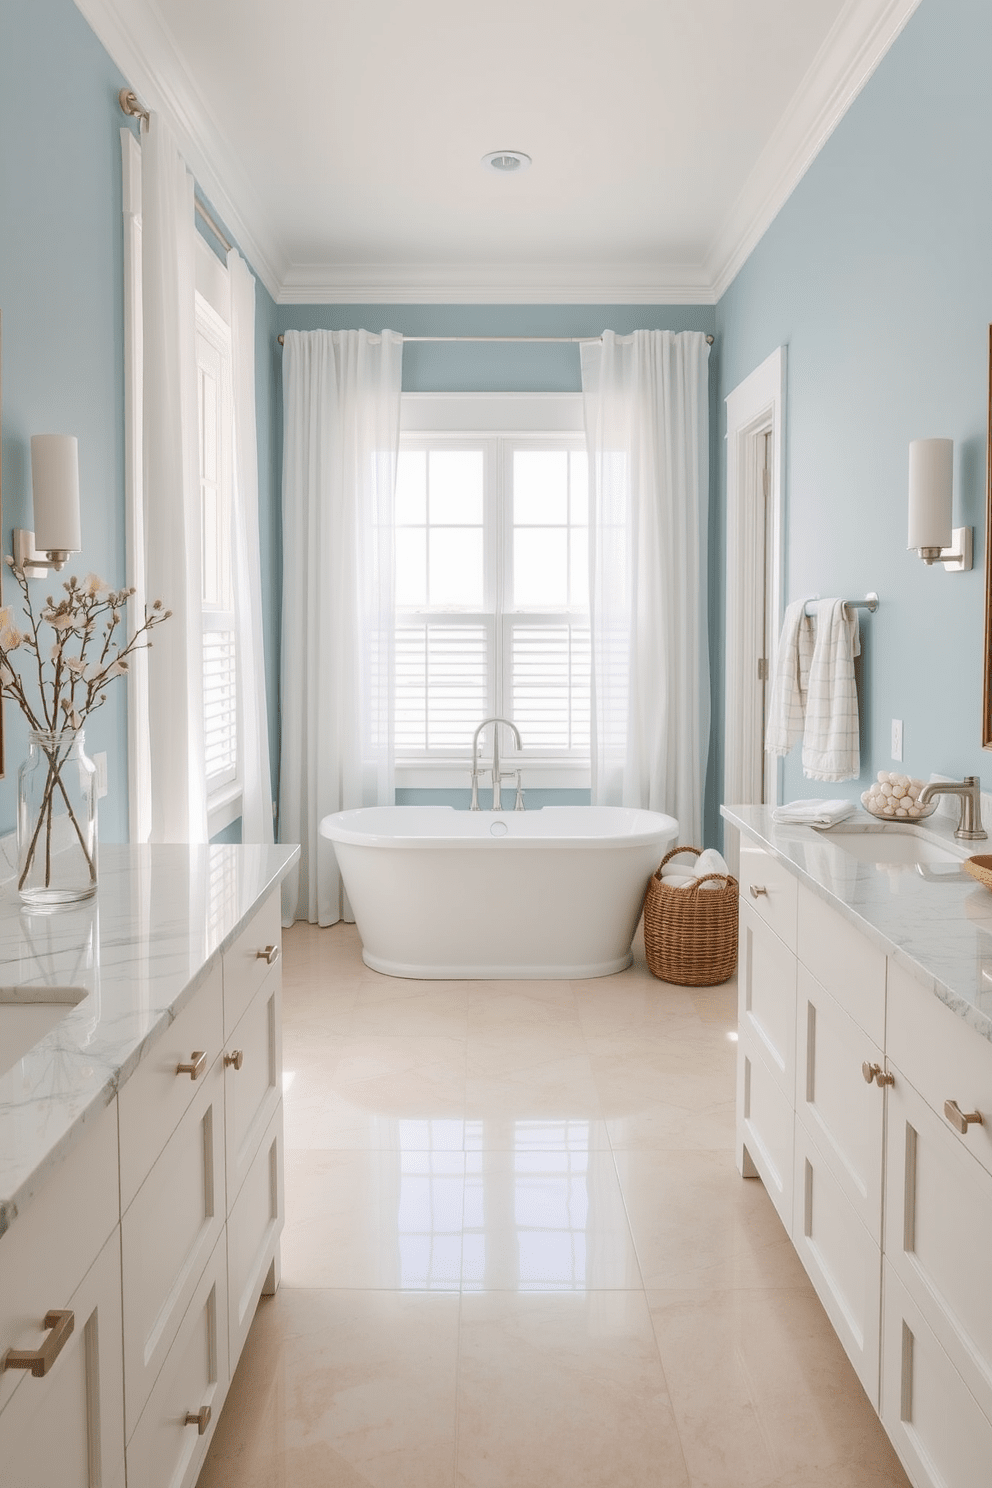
(870, 603)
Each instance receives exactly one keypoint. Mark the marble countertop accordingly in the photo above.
(162, 917)
(933, 920)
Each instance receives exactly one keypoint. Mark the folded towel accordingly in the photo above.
(830, 742)
(787, 704)
(816, 812)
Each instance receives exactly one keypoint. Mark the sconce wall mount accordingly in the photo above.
(931, 480)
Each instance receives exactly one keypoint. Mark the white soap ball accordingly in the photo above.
(916, 811)
(887, 791)
(898, 793)
(865, 798)
(901, 811)
(917, 786)
(889, 810)
(881, 777)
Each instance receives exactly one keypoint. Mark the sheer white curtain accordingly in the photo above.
(253, 736)
(171, 487)
(646, 408)
(341, 403)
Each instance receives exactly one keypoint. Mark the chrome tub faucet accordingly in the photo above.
(497, 773)
(969, 828)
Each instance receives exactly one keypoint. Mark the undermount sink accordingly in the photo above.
(27, 1014)
(885, 844)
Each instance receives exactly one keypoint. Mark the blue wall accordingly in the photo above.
(877, 275)
(61, 294)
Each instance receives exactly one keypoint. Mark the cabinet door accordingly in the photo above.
(252, 1080)
(167, 1448)
(765, 1127)
(167, 1235)
(841, 1112)
(66, 1429)
(253, 1230)
(250, 959)
(770, 890)
(843, 1260)
(767, 998)
(938, 1233)
(934, 1422)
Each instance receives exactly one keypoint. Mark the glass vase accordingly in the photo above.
(56, 820)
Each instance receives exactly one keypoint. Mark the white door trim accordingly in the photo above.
(755, 408)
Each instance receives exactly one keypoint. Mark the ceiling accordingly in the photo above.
(341, 142)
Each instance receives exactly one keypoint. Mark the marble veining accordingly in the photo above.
(138, 951)
(934, 921)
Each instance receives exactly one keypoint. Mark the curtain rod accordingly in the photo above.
(129, 103)
(544, 340)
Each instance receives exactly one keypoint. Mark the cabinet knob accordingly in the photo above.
(235, 1058)
(196, 1066)
(961, 1120)
(61, 1323)
(757, 890)
(875, 1072)
(270, 954)
(200, 1419)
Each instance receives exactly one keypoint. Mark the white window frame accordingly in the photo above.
(518, 420)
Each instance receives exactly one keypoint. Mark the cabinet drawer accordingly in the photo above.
(943, 1058)
(843, 961)
(246, 963)
(770, 889)
(67, 1428)
(843, 1114)
(253, 1230)
(932, 1418)
(49, 1248)
(167, 1234)
(843, 1260)
(765, 1122)
(767, 997)
(252, 1081)
(156, 1096)
(166, 1451)
(937, 1233)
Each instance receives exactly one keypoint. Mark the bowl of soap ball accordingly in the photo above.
(893, 797)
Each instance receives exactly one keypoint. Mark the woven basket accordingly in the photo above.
(690, 936)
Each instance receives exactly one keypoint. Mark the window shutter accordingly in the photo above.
(550, 686)
(442, 685)
(220, 706)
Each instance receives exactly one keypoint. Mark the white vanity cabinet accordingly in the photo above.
(65, 1428)
(890, 1122)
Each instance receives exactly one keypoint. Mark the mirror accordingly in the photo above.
(987, 690)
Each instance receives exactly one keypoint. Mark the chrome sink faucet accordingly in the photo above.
(969, 828)
(497, 773)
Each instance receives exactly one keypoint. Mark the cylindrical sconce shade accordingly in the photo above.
(55, 486)
(931, 476)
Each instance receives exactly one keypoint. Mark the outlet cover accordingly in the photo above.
(897, 738)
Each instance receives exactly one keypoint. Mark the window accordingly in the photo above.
(220, 659)
(492, 595)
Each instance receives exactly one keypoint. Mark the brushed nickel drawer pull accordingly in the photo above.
(875, 1072)
(270, 954)
(61, 1323)
(961, 1120)
(757, 890)
(235, 1058)
(196, 1066)
(200, 1419)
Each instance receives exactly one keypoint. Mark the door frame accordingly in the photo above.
(755, 408)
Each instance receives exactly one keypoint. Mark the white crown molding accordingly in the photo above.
(142, 47)
(494, 284)
(856, 43)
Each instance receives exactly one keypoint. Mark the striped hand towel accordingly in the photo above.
(787, 705)
(831, 748)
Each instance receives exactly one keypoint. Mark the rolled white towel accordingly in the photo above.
(678, 880)
(684, 863)
(711, 861)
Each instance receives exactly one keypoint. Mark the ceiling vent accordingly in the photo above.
(506, 161)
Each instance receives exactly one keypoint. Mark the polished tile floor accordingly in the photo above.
(518, 1255)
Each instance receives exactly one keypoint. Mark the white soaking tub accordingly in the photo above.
(552, 893)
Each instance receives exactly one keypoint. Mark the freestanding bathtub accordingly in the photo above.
(552, 893)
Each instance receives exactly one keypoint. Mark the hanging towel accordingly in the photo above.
(830, 742)
(815, 812)
(787, 706)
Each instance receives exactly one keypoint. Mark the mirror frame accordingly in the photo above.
(987, 689)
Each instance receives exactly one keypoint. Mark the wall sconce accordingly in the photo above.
(931, 479)
(55, 489)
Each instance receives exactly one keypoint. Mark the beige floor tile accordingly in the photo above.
(696, 1222)
(507, 1051)
(674, 1128)
(520, 1006)
(546, 1221)
(341, 1389)
(562, 1088)
(433, 1010)
(762, 1392)
(563, 1391)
